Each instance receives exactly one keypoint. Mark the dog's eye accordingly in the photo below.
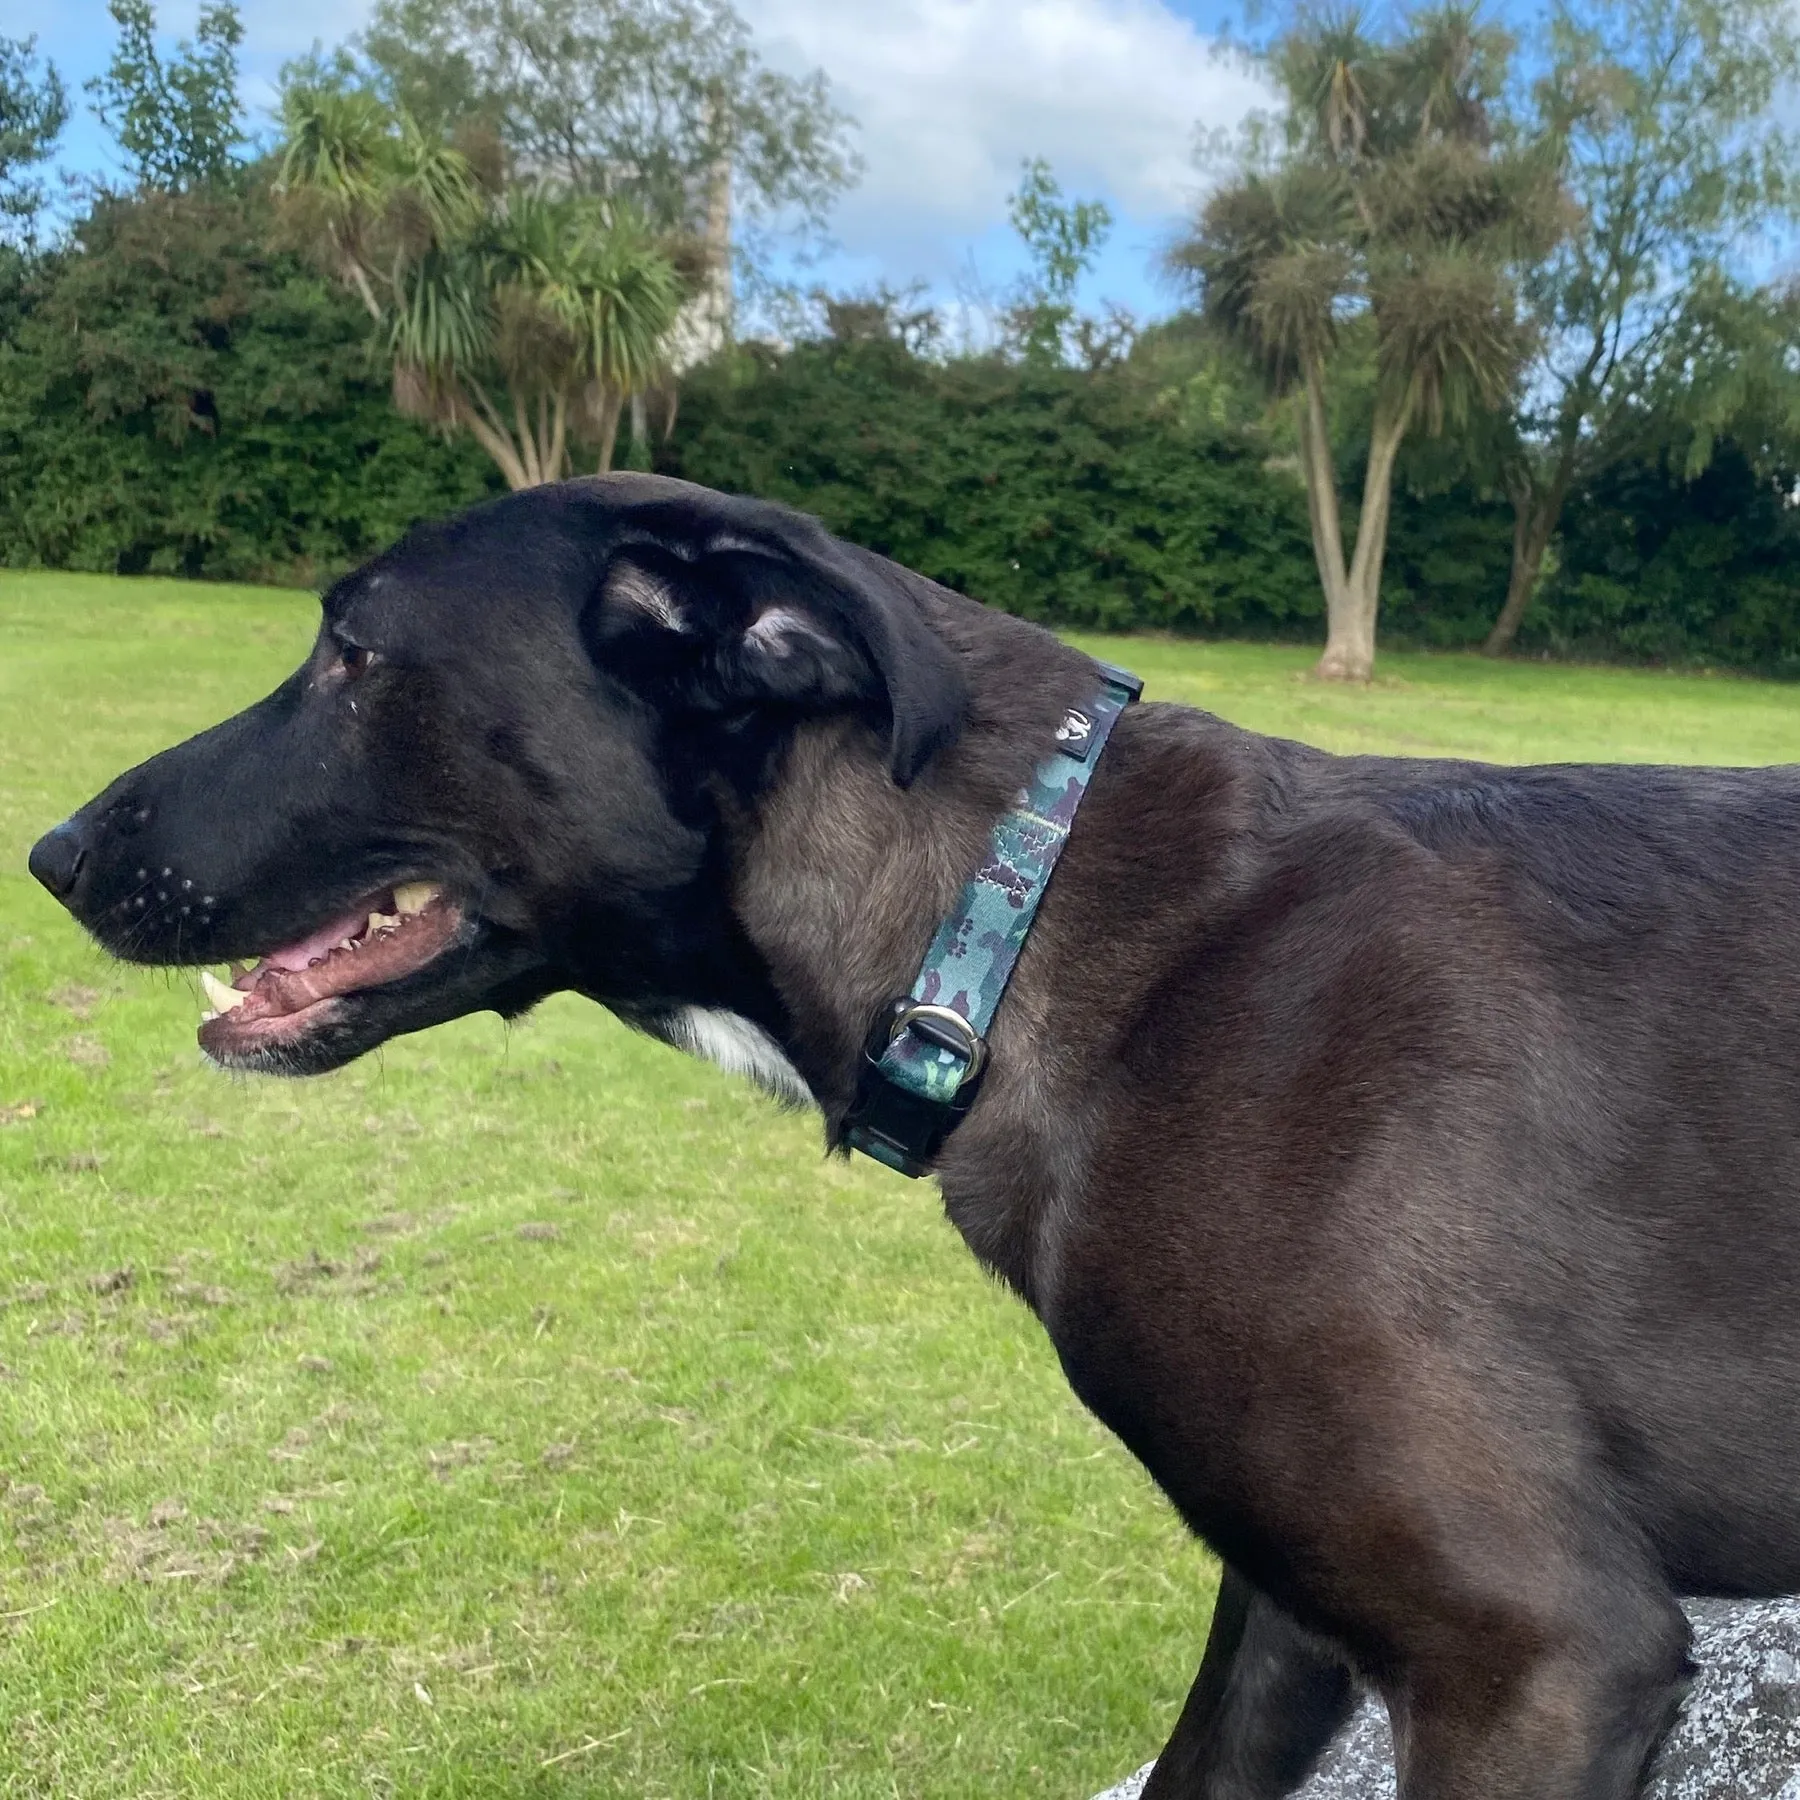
(354, 659)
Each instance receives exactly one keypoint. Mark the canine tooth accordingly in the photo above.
(414, 896)
(379, 922)
(225, 999)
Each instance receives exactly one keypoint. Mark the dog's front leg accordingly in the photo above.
(1268, 1700)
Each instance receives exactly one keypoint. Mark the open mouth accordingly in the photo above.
(288, 993)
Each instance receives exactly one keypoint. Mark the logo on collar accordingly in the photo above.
(1075, 734)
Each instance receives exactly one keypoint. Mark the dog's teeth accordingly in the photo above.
(346, 944)
(225, 999)
(414, 896)
(379, 922)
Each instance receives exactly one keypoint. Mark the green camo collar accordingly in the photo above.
(925, 1060)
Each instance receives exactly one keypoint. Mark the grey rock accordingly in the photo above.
(1738, 1737)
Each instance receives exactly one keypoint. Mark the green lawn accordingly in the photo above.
(536, 1412)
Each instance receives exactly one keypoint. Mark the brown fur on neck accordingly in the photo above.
(841, 877)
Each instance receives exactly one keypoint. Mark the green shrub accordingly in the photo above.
(1654, 567)
(177, 396)
(1448, 557)
(1096, 500)
(1060, 495)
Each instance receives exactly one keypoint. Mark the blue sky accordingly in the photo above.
(951, 95)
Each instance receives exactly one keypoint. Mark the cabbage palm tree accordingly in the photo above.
(1390, 224)
(368, 190)
(525, 317)
(535, 329)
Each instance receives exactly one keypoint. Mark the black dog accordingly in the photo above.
(1403, 1157)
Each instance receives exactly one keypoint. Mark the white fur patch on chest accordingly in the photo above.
(740, 1048)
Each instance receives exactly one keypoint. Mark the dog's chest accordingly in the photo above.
(740, 1047)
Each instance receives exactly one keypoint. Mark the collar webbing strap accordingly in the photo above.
(925, 1058)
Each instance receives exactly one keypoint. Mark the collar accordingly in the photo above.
(923, 1063)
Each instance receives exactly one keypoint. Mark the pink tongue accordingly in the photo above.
(310, 949)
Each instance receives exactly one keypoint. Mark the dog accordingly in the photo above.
(1403, 1157)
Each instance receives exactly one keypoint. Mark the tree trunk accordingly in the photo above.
(612, 403)
(640, 430)
(1527, 559)
(360, 281)
(549, 437)
(506, 459)
(1344, 648)
(528, 448)
(559, 435)
(475, 413)
(1377, 508)
(1350, 651)
(1536, 513)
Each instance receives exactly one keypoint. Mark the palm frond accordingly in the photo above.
(1448, 71)
(1447, 334)
(553, 295)
(337, 144)
(444, 320)
(434, 187)
(1273, 264)
(603, 295)
(335, 173)
(1331, 69)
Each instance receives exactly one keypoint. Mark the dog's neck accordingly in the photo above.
(840, 877)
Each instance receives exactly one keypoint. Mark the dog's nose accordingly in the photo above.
(58, 858)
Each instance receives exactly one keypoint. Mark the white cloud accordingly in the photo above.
(952, 95)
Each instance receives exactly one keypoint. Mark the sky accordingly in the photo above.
(951, 97)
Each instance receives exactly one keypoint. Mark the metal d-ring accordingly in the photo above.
(943, 1027)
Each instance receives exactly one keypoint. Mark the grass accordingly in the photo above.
(536, 1413)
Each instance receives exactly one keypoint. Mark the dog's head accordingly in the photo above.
(502, 769)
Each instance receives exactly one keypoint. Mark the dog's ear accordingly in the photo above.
(773, 611)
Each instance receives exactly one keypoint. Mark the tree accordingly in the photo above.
(367, 189)
(34, 108)
(524, 315)
(1386, 229)
(1064, 239)
(1729, 371)
(1673, 161)
(664, 102)
(178, 122)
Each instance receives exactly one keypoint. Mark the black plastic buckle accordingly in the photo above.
(893, 1124)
